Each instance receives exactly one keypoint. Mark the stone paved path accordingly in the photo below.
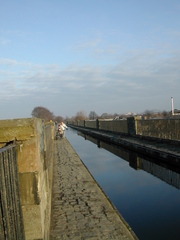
(80, 210)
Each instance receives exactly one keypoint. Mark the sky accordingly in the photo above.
(107, 56)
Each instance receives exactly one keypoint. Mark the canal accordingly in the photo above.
(146, 193)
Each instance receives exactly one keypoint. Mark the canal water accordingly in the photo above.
(146, 194)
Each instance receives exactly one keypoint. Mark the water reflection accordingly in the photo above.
(165, 172)
(134, 184)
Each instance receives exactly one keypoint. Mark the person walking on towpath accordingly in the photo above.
(61, 130)
(63, 127)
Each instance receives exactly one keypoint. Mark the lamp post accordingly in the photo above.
(172, 103)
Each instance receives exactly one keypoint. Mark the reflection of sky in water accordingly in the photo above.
(148, 204)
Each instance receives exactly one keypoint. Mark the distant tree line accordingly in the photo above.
(47, 115)
(148, 114)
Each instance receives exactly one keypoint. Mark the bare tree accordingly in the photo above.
(148, 113)
(59, 119)
(81, 115)
(166, 114)
(106, 116)
(93, 115)
(42, 112)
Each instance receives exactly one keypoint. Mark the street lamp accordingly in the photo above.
(172, 104)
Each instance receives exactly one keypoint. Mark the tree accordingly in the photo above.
(93, 115)
(148, 113)
(105, 116)
(59, 119)
(115, 115)
(42, 112)
(80, 115)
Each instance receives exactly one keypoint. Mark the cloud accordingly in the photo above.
(136, 83)
(89, 44)
(7, 62)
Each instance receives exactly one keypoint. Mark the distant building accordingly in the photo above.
(176, 112)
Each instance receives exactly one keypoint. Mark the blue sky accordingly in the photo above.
(89, 55)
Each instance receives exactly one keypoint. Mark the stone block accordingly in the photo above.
(29, 188)
(28, 156)
(32, 222)
(21, 129)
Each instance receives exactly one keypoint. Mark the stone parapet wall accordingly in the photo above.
(35, 161)
(81, 123)
(156, 128)
(90, 124)
(114, 126)
(76, 123)
(159, 128)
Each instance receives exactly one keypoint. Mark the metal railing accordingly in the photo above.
(11, 217)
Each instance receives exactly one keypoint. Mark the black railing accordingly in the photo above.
(11, 217)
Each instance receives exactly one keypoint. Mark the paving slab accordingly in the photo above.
(80, 208)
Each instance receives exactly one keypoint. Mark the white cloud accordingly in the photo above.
(135, 84)
(7, 62)
(89, 44)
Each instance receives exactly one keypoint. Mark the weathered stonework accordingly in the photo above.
(35, 162)
(159, 128)
(156, 128)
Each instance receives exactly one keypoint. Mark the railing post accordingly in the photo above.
(11, 218)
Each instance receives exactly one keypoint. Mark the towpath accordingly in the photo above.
(80, 209)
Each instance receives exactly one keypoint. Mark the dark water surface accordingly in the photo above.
(146, 194)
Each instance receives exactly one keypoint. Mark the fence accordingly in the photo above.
(11, 219)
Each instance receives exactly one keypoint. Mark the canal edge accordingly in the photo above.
(111, 203)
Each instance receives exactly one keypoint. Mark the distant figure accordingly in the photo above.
(64, 125)
(61, 130)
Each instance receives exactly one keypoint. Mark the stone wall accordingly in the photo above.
(35, 161)
(81, 123)
(156, 128)
(90, 124)
(114, 126)
(159, 128)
